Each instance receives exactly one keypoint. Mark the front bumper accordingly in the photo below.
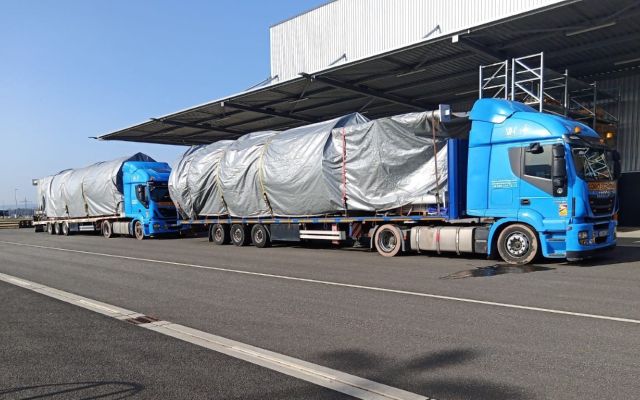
(601, 236)
(578, 255)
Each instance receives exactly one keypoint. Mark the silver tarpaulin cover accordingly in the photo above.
(91, 191)
(314, 170)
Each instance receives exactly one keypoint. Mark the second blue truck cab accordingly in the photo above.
(146, 199)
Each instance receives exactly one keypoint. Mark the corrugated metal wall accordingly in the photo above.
(360, 28)
(628, 137)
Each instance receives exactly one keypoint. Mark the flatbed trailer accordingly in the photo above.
(389, 232)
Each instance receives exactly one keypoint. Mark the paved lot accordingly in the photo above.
(442, 348)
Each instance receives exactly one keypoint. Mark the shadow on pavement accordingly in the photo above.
(109, 390)
(619, 255)
(420, 372)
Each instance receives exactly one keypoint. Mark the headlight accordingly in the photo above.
(583, 237)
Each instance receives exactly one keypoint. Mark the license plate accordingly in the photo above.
(603, 233)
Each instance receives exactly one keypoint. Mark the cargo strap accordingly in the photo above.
(344, 169)
(435, 159)
(263, 189)
(224, 203)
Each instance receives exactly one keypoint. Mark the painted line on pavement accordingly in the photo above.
(340, 284)
(326, 377)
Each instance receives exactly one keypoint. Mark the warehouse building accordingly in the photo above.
(579, 58)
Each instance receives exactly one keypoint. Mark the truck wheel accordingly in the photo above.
(518, 244)
(260, 236)
(388, 240)
(65, 229)
(138, 230)
(50, 229)
(107, 230)
(219, 234)
(57, 229)
(239, 235)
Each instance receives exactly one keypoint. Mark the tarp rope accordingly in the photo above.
(224, 203)
(263, 189)
(344, 169)
(435, 159)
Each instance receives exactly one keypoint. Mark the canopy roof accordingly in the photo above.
(588, 37)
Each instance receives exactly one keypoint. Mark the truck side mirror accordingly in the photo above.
(534, 148)
(559, 171)
(141, 195)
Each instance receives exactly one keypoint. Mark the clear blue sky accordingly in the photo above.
(70, 69)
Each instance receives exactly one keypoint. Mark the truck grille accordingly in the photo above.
(167, 212)
(601, 205)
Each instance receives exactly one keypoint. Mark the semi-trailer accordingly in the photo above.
(125, 196)
(518, 184)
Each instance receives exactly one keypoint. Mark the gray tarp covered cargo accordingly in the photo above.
(91, 191)
(311, 170)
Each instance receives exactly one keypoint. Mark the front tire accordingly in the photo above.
(518, 244)
(239, 235)
(260, 236)
(388, 240)
(138, 230)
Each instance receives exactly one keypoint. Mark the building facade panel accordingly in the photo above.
(345, 30)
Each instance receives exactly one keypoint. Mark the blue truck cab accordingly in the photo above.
(546, 183)
(146, 199)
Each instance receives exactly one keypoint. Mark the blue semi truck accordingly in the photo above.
(120, 197)
(521, 184)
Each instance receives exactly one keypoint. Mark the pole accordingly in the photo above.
(15, 197)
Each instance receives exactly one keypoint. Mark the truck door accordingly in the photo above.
(536, 188)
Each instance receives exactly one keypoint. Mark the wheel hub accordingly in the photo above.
(517, 244)
(387, 241)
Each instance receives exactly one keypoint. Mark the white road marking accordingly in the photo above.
(326, 377)
(340, 284)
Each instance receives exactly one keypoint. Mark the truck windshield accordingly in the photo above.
(159, 193)
(593, 163)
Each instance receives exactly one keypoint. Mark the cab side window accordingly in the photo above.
(538, 165)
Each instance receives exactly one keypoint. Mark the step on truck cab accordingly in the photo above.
(546, 183)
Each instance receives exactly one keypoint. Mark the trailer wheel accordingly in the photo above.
(50, 228)
(138, 230)
(219, 234)
(107, 229)
(260, 236)
(239, 235)
(518, 244)
(65, 229)
(57, 228)
(388, 240)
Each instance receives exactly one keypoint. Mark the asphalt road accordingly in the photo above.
(438, 347)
